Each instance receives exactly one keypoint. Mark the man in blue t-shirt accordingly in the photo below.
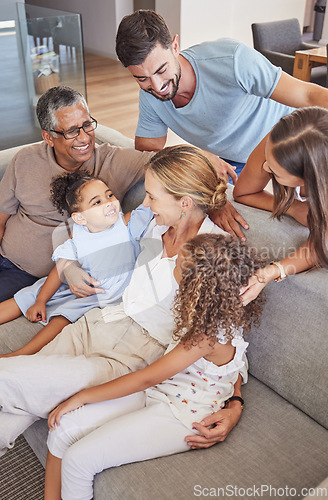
(221, 96)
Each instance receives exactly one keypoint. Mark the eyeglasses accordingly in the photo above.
(75, 132)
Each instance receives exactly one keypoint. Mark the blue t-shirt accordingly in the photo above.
(230, 111)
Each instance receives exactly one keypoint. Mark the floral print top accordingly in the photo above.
(203, 387)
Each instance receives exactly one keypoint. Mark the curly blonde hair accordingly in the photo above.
(214, 268)
(183, 170)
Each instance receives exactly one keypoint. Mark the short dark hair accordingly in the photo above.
(53, 100)
(137, 35)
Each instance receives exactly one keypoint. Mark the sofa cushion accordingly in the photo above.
(260, 451)
(272, 238)
(6, 157)
(320, 491)
(107, 134)
(17, 333)
(274, 445)
(289, 351)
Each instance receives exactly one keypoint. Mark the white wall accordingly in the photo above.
(123, 8)
(171, 13)
(324, 36)
(211, 19)
(100, 19)
(193, 20)
(309, 14)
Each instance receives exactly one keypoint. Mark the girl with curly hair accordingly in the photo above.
(103, 241)
(193, 379)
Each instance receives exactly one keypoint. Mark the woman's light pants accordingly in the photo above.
(102, 345)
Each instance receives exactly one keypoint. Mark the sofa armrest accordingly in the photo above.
(307, 46)
(113, 137)
(6, 156)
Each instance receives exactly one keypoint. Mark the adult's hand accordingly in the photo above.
(223, 421)
(228, 218)
(252, 290)
(257, 282)
(222, 168)
(80, 282)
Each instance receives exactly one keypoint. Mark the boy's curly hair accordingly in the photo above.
(214, 268)
(65, 190)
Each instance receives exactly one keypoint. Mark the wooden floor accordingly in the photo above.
(112, 94)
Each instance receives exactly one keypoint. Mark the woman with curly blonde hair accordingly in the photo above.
(193, 379)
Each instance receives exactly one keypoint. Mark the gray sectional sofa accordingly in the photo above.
(280, 446)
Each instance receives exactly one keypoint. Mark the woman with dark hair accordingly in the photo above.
(296, 152)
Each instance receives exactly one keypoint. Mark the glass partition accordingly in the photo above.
(41, 48)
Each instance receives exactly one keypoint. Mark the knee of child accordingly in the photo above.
(70, 463)
(84, 459)
(75, 477)
(62, 437)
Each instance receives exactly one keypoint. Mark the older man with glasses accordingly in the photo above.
(27, 216)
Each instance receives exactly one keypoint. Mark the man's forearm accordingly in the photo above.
(149, 144)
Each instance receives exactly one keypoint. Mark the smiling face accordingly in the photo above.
(160, 72)
(71, 153)
(281, 175)
(167, 209)
(98, 207)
